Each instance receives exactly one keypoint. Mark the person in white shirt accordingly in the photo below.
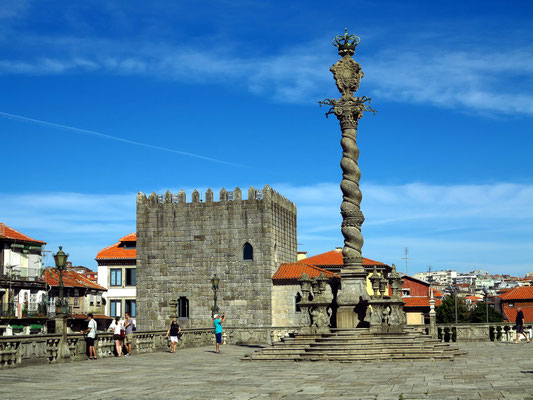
(91, 336)
(117, 327)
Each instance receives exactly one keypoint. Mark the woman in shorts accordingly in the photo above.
(117, 326)
(174, 330)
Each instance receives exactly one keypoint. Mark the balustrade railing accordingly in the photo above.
(44, 348)
(479, 332)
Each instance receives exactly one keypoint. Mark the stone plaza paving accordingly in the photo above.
(489, 371)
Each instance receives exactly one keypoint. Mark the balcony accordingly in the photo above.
(7, 311)
(22, 278)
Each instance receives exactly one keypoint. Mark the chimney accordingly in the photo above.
(339, 249)
(301, 255)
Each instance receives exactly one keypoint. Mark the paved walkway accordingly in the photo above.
(489, 371)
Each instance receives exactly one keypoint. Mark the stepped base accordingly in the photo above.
(354, 345)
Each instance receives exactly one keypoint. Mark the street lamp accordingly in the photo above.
(60, 259)
(485, 291)
(455, 300)
(214, 282)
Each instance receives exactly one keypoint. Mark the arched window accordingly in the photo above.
(183, 307)
(247, 252)
(297, 299)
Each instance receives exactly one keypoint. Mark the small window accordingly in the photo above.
(131, 308)
(131, 277)
(297, 299)
(511, 304)
(183, 307)
(115, 308)
(247, 252)
(116, 277)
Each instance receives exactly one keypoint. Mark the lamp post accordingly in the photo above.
(485, 291)
(214, 283)
(60, 259)
(452, 290)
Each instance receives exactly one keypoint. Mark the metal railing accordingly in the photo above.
(29, 274)
(7, 310)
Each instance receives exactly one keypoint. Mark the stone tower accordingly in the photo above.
(181, 245)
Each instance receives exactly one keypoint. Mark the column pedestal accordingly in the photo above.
(353, 302)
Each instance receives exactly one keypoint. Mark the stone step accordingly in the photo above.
(357, 345)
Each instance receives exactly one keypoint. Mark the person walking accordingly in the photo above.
(218, 330)
(91, 336)
(520, 325)
(117, 327)
(174, 331)
(128, 327)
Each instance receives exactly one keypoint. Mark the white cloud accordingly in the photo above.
(456, 226)
(475, 79)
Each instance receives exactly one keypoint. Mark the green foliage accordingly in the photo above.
(479, 314)
(446, 311)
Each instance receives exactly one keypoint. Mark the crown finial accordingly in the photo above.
(346, 43)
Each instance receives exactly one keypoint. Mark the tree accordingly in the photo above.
(479, 314)
(446, 311)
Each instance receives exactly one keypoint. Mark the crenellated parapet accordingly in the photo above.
(225, 196)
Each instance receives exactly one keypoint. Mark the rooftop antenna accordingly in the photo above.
(406, 258)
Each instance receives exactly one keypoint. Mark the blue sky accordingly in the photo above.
(99, 100)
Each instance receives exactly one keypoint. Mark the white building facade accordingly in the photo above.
(117, 272)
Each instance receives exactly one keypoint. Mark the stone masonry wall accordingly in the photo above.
(181, 245)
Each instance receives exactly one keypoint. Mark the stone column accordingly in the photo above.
(432, 316)
(352, 297)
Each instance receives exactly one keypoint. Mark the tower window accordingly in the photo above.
(247, 252)
(183, 307)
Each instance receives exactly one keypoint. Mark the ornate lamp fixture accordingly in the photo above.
(60, 259)
(214, 283)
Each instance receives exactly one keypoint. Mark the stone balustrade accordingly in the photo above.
(43, 348)
(480, 332)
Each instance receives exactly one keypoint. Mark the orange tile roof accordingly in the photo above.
(117, 251)
(293, 271)
(474, 298)
(132, 237)
(70, 279)
(437, 293)
(418, 302)
(9, 233)
(334, 257)
(519, 293)
(510, 314)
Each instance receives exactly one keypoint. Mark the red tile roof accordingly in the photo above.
(334, 257)
(519, 293)
(132, 237)
(418, 302)
(70, 279)
(117, 251)
(510, 314)
(9, 233)
(293, 271)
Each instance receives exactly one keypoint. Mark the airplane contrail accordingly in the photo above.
(119, 139)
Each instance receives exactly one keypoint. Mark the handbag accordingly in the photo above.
(122, 334)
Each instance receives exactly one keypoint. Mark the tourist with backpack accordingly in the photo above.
(117, 327)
